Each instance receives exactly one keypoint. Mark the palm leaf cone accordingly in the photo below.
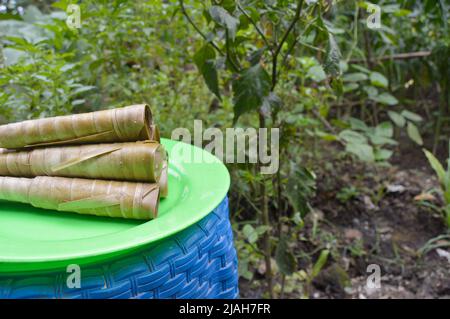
(136, 162)
(127, 124)
(84, 196)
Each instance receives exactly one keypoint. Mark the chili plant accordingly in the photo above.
(250, 43)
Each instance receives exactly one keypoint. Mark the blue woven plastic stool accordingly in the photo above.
(199, 262)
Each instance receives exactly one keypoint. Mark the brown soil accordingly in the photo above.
(393, 229)
(382, 224)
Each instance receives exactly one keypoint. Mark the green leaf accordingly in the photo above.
(357, 124)
(244, 270)
(384, 129)
(298, 220)
(78, 102)
(355, 77)
(67, 67)
(250, 234)
(260, 230)
(343, 66)
(33, 14)
(31, 33)
(353, 137)
(397, 118)
(436, 165)
(250, 89)
(205, 61)
(333, 58)
(412, 116)
(338, 87)
(350, 87)
(381, 140)
(385, 98)
(413, 133)
(363, 151)
(360, 68)
(13, 56)
(300, 186)
(82, 89)
(285, 259)
(317, 73)
(382, 154)
(320, 263)
(256, 55)
(371, 91)
(223, 18)
(272, 102)
(379, 80)
(326, 136)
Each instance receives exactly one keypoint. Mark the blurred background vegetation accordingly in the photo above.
(339, 91)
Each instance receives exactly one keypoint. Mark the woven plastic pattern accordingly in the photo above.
(199, 262)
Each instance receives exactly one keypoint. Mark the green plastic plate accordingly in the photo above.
(32, 239)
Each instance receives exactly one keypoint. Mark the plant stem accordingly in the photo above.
(233, 65)
(262, 123)
(214, 45)
(257, 28)
(184, 12)
(283, 284)
(355, 32)
(266, 222)
(368, 48)
(294, 44)
(298, 12)
(279, 199)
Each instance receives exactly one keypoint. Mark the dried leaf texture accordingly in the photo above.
(139, 161)
(127, 124)
(84, 196)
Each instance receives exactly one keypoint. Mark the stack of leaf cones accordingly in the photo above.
(106, 163)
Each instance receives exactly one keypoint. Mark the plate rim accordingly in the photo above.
(135, 237)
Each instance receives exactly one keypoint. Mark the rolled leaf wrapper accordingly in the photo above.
(127, 124)
(139, 161)
(84, 196)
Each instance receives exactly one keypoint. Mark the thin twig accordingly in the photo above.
(355, 32)
(283, 282)
(235, 67)
(258, 29)
(399, 56)
(184, 12)
(265, 219)
(250, 201)
(298, 12)
(328, 126)
(295, 42)
(214, 45)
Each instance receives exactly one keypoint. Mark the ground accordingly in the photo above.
(373, 215)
